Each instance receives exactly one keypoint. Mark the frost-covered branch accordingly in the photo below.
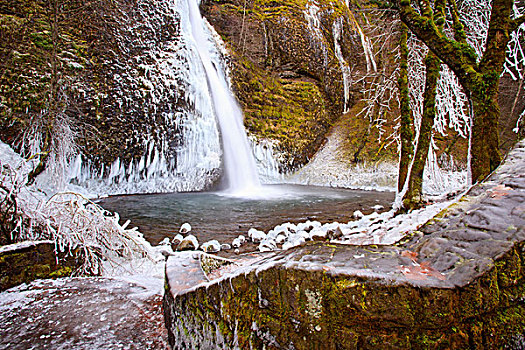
(517, 22)
(379, 87)
(76, 224)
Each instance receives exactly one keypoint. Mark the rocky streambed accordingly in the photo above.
(456, 282)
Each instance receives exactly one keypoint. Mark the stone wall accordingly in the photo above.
(458, 282)
(27, 261)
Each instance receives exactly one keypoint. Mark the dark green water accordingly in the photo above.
(214, 215)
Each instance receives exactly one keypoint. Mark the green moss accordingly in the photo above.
(42, 40)
(37, 262)
(291, 112)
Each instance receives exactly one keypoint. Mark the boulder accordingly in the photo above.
(188, 243)
(212, 246)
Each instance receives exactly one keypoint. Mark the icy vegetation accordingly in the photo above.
(72, 221)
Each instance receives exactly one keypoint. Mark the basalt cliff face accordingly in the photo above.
(293, 66)
(121, 77)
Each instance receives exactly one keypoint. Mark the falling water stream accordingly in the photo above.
(239, 164)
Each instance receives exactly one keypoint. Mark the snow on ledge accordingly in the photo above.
(22, 245)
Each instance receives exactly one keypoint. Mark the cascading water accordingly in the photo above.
(239, 164)
(206, 120)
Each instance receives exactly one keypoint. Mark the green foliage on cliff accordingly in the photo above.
(292, 112)
(285, 70)
(44, 51)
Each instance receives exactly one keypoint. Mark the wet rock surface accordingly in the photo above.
(81, 313)
(457, 282)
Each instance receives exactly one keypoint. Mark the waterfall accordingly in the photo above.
(239, 164)
(184, 148)
(337, 31)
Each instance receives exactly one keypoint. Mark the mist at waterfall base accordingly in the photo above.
(213, 215)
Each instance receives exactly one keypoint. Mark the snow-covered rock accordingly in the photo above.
(212, 246)
(358, 214)
(306, 235)
(255, 235)
(280, 239)
(267, 245)
(294, 240)
(177, 239)
(188, 243)
(286, 228)
(165, 241)
(185, 228)
(308, 225)
(239, 241)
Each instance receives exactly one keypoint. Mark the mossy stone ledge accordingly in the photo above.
(456, 283)
(27, 261)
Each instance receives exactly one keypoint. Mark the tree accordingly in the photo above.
(413, 196)
(479, 76)
(406, 120)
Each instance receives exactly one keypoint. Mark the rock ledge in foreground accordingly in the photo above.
(456, 283)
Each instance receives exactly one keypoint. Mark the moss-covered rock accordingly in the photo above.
(85, 62)
(457, 283)
(27, 261)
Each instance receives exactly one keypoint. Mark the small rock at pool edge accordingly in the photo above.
(256, 236)
(177, 239)
(188, 243)
(378, 207)
(335, 233)
(212, 246)
(358, 214)
(185, 228)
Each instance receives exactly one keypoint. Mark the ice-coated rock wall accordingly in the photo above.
(181, 150)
